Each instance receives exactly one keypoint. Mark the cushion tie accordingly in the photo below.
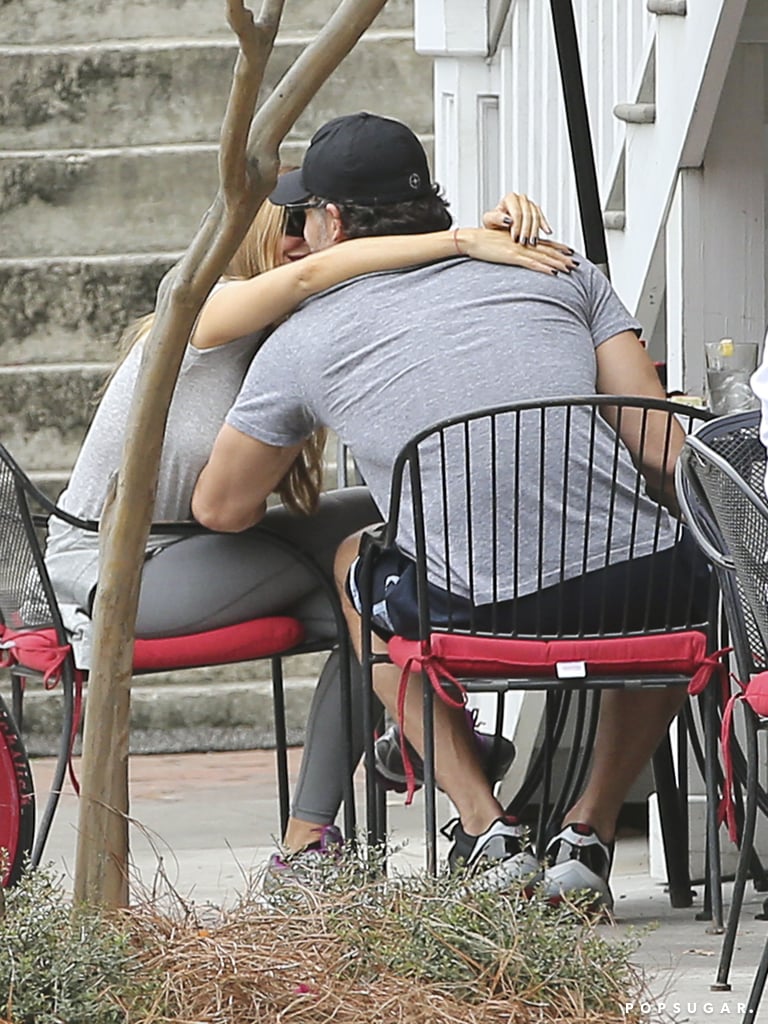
(39, 648)
(755, 693)
(708, 666)
(438, 675)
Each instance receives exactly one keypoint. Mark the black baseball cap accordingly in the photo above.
(359, 158)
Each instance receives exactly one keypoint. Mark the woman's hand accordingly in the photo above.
(520, 216)
(496, 246)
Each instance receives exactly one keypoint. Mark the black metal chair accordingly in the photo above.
(34, 646)
(721, 486)
(462, 478)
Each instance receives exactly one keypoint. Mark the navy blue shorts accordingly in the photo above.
(633, 594)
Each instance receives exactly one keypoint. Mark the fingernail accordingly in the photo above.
(523, 241)
(516, 238)
(534, 241)
(576, 263)
(506, 220)
(555, 272)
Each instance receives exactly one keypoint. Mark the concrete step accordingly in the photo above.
(45, 411)
(60, 310)
(60, 21)
(108, 201)
(137, 94)
(222, 716)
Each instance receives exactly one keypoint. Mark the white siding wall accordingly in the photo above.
(628, 55)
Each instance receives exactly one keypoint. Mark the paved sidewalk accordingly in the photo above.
(208, 820)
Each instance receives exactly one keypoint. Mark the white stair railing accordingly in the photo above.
(653, 72)
(666, 125)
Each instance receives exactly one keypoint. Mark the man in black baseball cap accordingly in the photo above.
(360, 158)
(382, 358)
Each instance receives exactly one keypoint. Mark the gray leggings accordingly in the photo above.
(206, 581)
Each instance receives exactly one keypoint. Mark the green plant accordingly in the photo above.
(356, 948)
(481, 945)
(61, 964)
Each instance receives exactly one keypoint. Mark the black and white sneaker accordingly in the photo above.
(498, 859)
(578, 861)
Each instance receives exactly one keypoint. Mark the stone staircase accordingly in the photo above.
(109, 120)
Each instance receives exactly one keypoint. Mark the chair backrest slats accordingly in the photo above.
(26, 595)
(503, 505)
(721, 481)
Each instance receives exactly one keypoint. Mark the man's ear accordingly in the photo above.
(336, 226)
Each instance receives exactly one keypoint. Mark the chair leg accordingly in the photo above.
(711, 766)
(375, 808)
(574, 773)
(745, 856)
(17, 702)
(430, 788)
(348, 789)
(675, 843)
(57, 783)
(281, 742)
(548, 751)
(756, 992)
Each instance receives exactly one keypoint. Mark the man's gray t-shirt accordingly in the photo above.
(384, 356)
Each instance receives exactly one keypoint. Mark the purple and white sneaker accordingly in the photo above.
(308, 868)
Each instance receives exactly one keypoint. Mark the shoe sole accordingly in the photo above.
(571, 878)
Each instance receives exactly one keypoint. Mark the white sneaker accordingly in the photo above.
(578, 861)
(499, 858)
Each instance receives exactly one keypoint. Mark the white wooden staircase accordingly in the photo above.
(667, 82)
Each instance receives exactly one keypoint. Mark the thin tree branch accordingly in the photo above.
(302, 80)
(248, 171)
(256, 40)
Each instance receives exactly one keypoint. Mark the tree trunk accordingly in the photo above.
(248, 164)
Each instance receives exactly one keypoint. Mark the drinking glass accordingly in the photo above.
(730, 364)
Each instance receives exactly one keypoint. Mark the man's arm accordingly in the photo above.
(231, 491)
(625, 368)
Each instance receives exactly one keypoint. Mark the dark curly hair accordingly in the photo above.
(413, 217)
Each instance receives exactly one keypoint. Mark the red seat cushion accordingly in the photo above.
(471, 656)
(246, 641)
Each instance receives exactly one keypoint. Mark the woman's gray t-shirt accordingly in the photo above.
(208, 382)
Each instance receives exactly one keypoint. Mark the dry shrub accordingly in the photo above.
(414, 950)
(352, 950)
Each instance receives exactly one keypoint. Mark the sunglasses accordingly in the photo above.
(294, 222)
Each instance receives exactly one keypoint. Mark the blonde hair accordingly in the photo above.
(261, 248)
(259, 251)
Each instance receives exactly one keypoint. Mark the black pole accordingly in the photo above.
(579, 134)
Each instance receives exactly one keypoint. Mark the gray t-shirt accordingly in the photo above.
(380, 358)
(208, 382)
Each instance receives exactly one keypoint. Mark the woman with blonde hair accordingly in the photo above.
(192, 583)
